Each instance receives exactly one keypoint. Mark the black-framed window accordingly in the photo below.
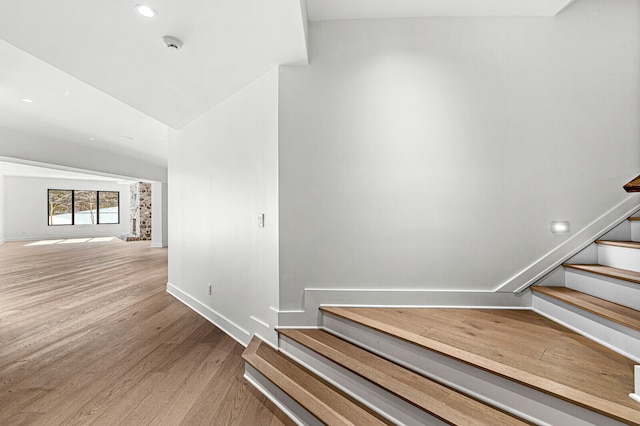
(82, 207)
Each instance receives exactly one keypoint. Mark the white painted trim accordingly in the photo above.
(314, 298)
(636, 388)
(609, 334)
(527, 403)
(563, 8)
(578, 241)
(239, 334)
(159, 245)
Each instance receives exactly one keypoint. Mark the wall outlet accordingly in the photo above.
(210, 289)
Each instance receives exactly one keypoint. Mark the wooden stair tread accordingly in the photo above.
(625, 244)
(432, 397)
(607, 271)
(328, 404)
(634, 218)
(633, 186)
(603, 308)
(518, 345)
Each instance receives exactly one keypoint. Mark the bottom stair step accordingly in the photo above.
(325, 402)
(431, 397)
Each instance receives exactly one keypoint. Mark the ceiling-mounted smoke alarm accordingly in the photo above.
(172, 42)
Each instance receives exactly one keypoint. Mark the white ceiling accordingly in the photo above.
(321, 10)
(15, 169)
(98, 73)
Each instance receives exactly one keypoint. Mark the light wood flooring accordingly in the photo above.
(88, 335)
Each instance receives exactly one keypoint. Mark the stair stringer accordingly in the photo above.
(518, 399)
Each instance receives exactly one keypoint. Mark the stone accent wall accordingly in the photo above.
(140, 202)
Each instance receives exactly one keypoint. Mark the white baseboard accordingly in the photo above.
(239, 334)
(393, 298)
(581, 239)
(163, 245)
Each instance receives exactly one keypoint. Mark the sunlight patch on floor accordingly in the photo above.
(71, 241)
(44, 243)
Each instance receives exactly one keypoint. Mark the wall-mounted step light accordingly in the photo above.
(560, 228)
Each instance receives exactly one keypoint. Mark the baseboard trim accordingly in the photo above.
(396, 298)
(578, 241)
(239, 334)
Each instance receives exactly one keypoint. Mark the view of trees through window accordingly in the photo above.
(60, 207)
(69, 207)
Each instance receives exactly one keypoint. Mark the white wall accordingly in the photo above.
(433, 153)
(26, 209)
(223, 172)
(2, 239)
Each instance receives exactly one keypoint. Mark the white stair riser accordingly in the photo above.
(635, 230)
(622, 232)
(612, 335)
(384, 403)
(617, 291)
(522, 401)
(283, 401)
(619, 257)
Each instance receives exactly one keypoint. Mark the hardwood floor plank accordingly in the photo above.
(89, 335)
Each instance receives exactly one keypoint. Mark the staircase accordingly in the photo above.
(567, 361)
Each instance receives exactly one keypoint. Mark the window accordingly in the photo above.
(60, 207)
(70, 207)
(85, 207)
(108, 207)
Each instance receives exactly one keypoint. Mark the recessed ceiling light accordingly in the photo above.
(146, 11)
(29, 101)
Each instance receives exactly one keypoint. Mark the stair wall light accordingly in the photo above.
(560, 228)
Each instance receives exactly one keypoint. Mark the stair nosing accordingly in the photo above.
(606, 271)
(634, 245)
(587, 305)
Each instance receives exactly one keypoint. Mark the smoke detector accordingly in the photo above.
(172, 42)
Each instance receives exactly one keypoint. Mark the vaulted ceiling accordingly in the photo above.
(96, 72)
